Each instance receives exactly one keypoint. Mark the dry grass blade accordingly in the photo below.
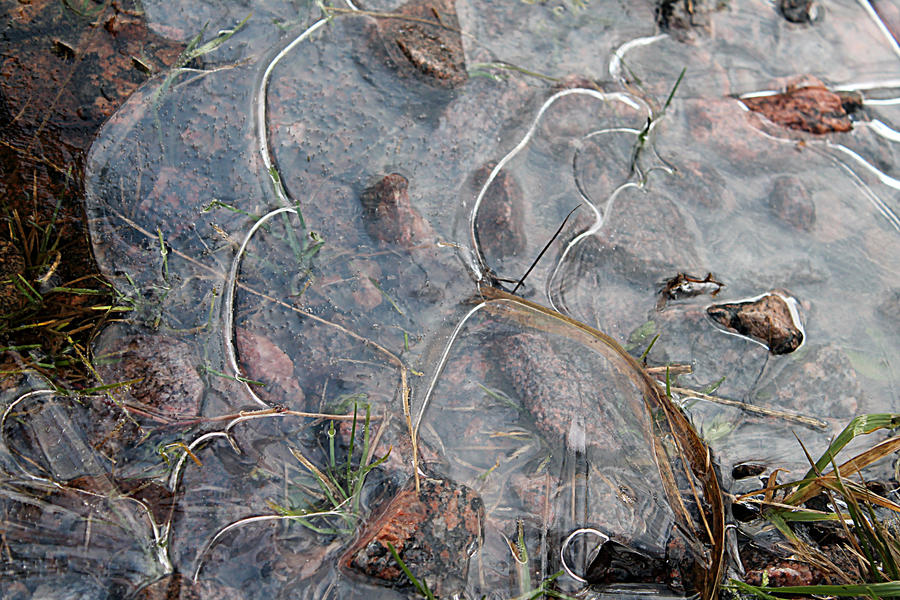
(752, 408)
(323, 479)
(852, 466)
(668, 424)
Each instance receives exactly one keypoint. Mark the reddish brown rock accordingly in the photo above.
(500, 224)
(389, 215)
(167, 382)
(433, 532)
(785, 572)
(767, 319)
(780, 569)
(427, 42)
(806, 106)
(791, 203)
(265, 362)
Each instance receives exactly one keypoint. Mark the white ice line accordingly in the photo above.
(228, 304)
(876, 201)
(426, 399)
(179, 466)
(248, 520)
(626, 99)
(598, 224)
(867, 85)
(882, 177)
(615, 61)
(867, 6)
(881, 101)
(262, 107)
(883, 130)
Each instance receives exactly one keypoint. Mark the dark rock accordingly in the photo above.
(389, 215)
(157, 498)
(433, 51)
(747, 469)
(806, 106)
(801, 11)
(12, 264)
(745, 513)
(434, 533)
(500, 225)
(682, 18)
(791, 203)
(767, 319)
(617, 563)
(169, 384)
(686, 286)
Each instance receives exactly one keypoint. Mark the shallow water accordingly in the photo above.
(178, 178)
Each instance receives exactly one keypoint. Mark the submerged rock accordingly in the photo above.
(434, 532)
(771, 319)
(265, 362)
(790, 202)
(807, 106)
(389, 215)
(177, 587)
(821, 382)
(500, 224)
(433, 51)
(167, 382)
(889, 309)
(560, 396)
(648, 239)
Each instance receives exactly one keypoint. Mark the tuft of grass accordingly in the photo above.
(339, 483)
(65, 300)
(857, 515)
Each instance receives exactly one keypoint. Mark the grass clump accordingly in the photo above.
(833, 499)
(54, 301)
(338, 486)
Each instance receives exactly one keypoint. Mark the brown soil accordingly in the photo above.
(63, 72)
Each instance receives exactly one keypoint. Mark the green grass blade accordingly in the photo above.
(861, 425)
(423, 589)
